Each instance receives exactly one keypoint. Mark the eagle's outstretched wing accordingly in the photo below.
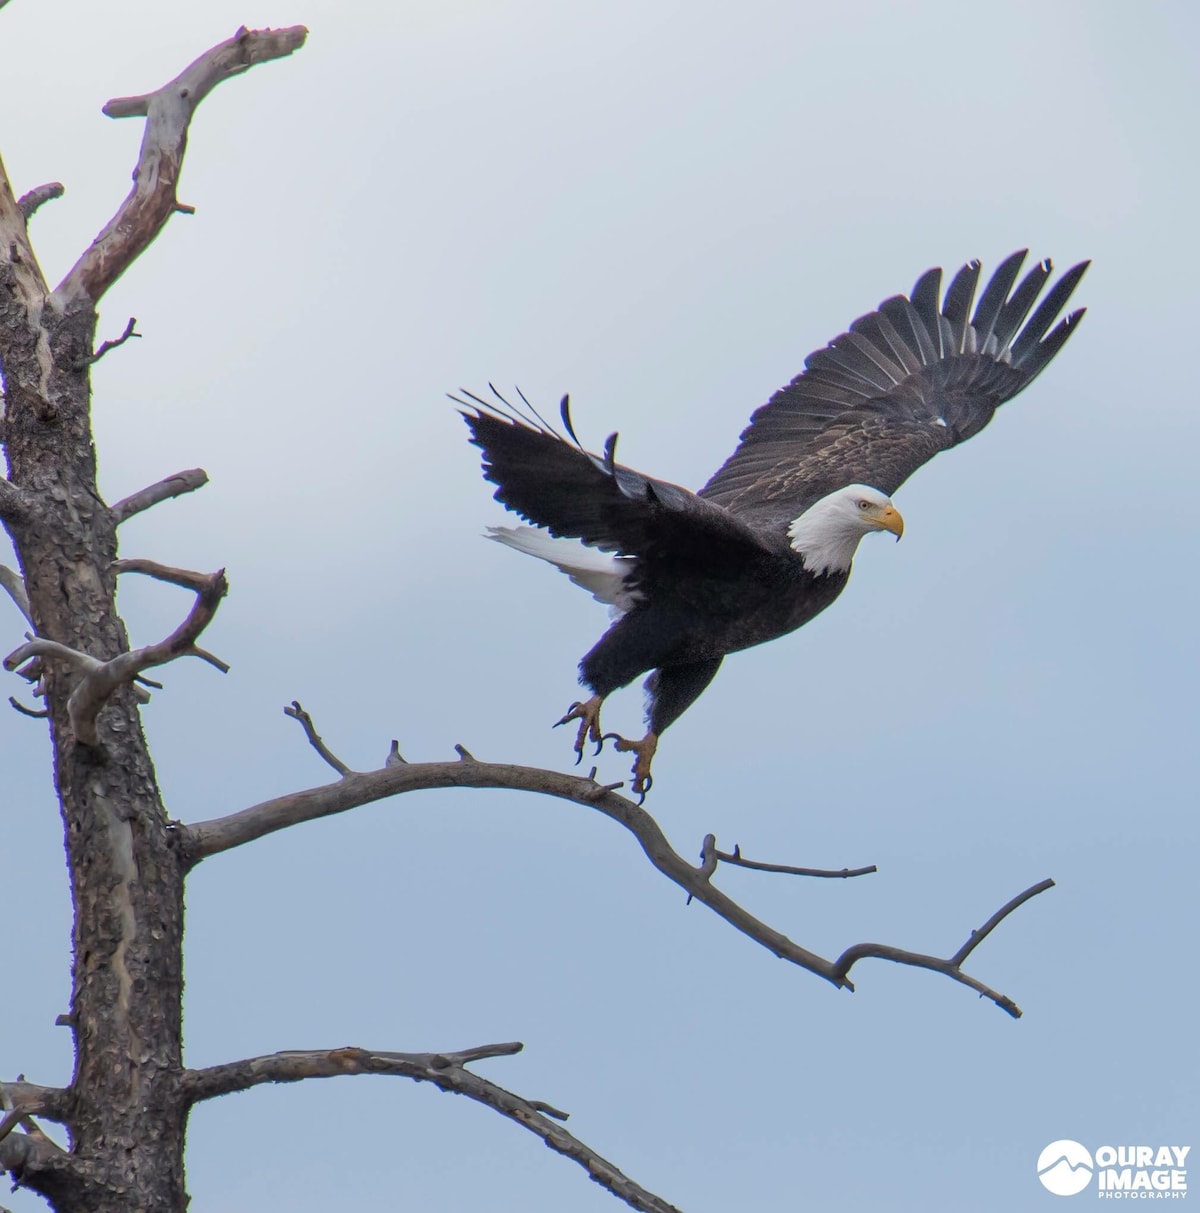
(916, 377)
(553, 482)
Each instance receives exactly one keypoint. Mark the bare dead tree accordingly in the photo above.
(126, 1107)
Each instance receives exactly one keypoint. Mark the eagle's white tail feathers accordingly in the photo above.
(600, 573)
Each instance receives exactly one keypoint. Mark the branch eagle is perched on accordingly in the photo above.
(768, 542)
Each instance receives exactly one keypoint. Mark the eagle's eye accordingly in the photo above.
(864, 505)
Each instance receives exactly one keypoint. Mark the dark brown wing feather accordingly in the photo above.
(554, 483)
(909, 380)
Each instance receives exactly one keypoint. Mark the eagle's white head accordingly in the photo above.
(827, 534)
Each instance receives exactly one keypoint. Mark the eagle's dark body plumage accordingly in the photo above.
(752, 555)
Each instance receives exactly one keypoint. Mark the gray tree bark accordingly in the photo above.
(124, 1109)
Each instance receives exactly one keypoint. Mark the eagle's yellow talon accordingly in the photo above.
(588, 715)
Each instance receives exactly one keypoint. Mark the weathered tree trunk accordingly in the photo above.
(125, 1109)
(125, 1118)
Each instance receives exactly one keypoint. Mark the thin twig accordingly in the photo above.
(830, 873)
(977, 937)
(164, 490)
(212, 659)
(296, 712)
(105, 346)
(36, 713)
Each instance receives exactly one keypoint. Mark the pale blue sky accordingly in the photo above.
(661, 208)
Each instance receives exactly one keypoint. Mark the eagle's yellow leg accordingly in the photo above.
(588, 715)
(644, 749)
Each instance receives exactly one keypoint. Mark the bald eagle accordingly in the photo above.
(768, 542)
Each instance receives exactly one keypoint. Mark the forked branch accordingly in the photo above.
(207, 838)
(168, 112)
(448, 1072)
(102, 678)
(111, 344)
(951, 967)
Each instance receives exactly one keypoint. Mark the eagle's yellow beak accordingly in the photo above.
(889, 519)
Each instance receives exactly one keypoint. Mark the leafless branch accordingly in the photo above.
(37, 646)
(29, 202)
(168, 112)
(20, 1101)
(735, 858)
(977, 937)
(36, 713)
(30, 1099)
(212, 660)
(164, 490)
(189, 580)
(101, 678)
(296, 712)
(21, 1153)
(105, 346)
(448, 1072)
(950, 967)
(14, 583)
(359, 788)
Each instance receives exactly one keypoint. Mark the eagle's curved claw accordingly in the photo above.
(588, 715)
(643, 781)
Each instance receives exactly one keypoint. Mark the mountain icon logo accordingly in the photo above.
(1064, 1167)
